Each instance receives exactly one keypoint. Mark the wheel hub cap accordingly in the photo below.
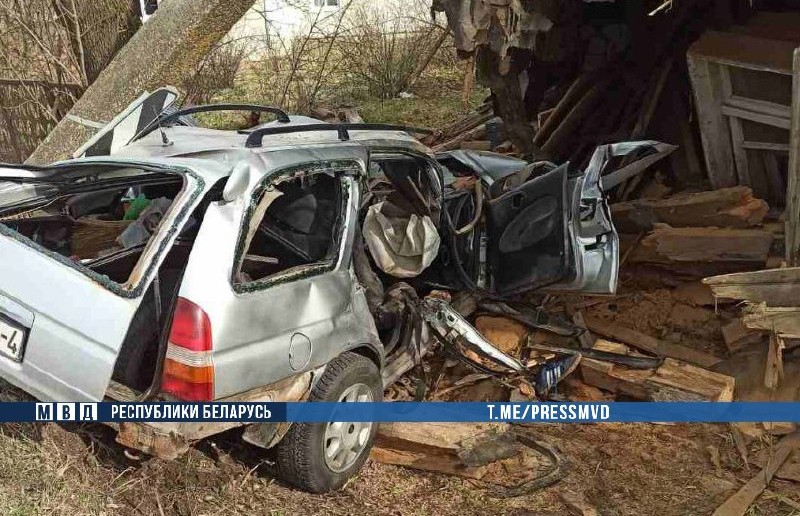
(345, 442)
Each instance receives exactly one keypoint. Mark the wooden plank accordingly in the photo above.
(447, 436)
(462, 449)
(739, 152)
(759, 106)
(691, 168)
(697, 244)
(755, 278)
(783, 321)
(793, 190)
(773, 373)
(554, 118)
(790, 470)
(713, 128)
(768, 146)
(737, 336)
(646, 112)
(460, 125)
(745, 51)
(755, 116)
(775, 287)
(727, 207)
(650, 344)
(738, 504)
(475, 133)
(566, 129)
(672, 381)
(676, 376)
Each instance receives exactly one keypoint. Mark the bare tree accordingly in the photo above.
(386, 49)
(50, 51)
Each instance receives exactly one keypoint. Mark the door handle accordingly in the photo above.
(518, 200)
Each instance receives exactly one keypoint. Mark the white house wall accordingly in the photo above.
(270, 21)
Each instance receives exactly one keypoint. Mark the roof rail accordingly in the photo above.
(166, 118)
(254, 138)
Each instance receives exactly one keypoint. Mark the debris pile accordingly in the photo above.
(770, 317)
(507, 463)
(468, 132)
(665, 336)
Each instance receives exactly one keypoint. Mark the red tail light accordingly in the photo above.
(188, 368)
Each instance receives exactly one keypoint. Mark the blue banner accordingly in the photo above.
(624, 412)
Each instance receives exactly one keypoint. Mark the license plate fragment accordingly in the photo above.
(12, 340)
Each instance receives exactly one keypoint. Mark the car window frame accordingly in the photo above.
(192, 187)
(345, 171)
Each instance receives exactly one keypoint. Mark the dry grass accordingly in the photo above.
(436, 95)
(620, 469)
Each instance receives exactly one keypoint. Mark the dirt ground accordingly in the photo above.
(618, 469)
(633, 469)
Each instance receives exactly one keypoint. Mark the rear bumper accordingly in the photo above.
(153, 439)
(170, 440)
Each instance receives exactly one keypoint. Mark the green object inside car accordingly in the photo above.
(136, 207)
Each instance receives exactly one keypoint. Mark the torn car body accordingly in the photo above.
(200, 264)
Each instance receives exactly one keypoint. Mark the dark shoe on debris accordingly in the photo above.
(553, 372)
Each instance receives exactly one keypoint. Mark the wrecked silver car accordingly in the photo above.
(170, 261)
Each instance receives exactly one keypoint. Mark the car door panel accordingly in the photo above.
(527, 233)
(594, 243)
(256, 326)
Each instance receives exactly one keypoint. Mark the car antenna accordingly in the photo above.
(165, 142)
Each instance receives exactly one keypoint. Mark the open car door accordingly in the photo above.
(527, 230)
(555, 231)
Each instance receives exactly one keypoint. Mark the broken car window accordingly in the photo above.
(295, 227)
(100, 218)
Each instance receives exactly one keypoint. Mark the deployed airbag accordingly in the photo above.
(402, 244)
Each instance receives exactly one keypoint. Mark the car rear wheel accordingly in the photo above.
(321, 457)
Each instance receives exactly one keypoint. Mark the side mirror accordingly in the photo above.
(237, 182)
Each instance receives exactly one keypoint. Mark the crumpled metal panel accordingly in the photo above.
(489, 166)
(254, 323)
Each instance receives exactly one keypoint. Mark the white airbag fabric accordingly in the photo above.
(402, 245)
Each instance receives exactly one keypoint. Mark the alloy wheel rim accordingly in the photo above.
(343, 443)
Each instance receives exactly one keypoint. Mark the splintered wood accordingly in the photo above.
(489, 452)
(650, 344)
(775, 287)
(785, 321)
(441, 447)
(772, 306)
(666, 244)
(672, 381)
(734, 207)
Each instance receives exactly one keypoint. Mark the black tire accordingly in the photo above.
(300, 454)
